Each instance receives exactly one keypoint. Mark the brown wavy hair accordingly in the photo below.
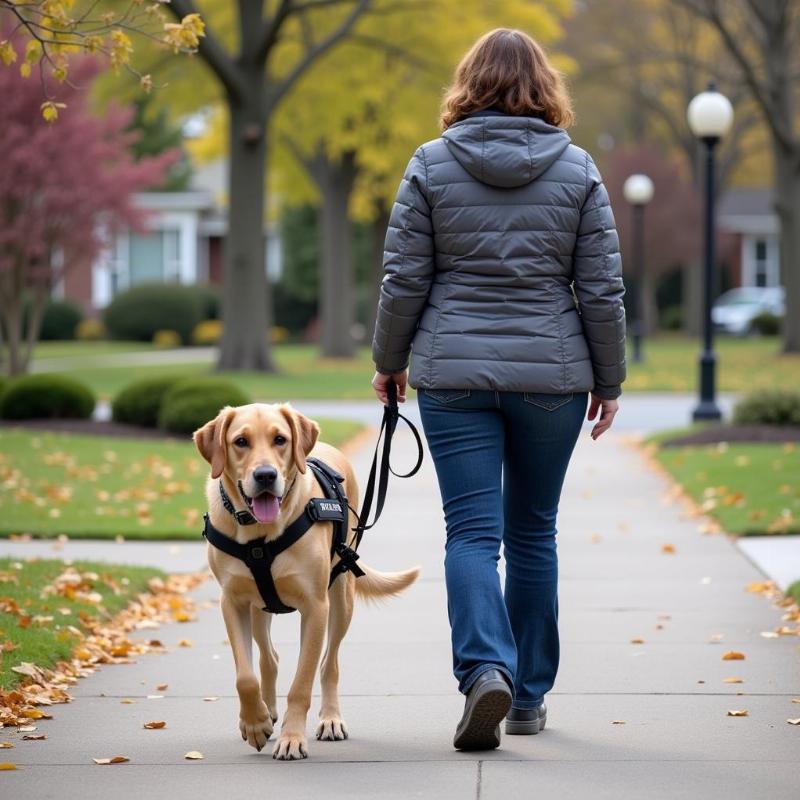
(507, 70)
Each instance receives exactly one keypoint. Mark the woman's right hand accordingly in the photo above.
(608, 410)
(382, 380)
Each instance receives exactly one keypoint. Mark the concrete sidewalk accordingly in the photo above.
(399, 697)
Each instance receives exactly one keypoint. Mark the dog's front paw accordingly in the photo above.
(291, 747)
(256, 730)
(331, 729)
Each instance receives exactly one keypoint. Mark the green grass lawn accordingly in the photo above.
(303, 374)
(100, 487)
(747, 488)
(39, 632)
(670, 365)
(74, 349)
(743, 364)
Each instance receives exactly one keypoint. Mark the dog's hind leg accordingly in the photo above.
(268, 658)
(255, 723)
(331, 726)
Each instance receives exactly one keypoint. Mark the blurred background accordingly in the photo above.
(195, 199)
(193, 203)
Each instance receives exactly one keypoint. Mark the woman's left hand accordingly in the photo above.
(382, 380)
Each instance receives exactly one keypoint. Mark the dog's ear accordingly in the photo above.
(304, 434)
(210, 440)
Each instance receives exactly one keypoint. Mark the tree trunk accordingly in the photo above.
(375, 276)
(692, 294)
(337, 307)
(12, 322)
(779, 51)
(787, 205)
(245, 304)
(39, 299)
(649, 306)
(11, 297)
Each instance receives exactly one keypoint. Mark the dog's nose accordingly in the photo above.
(265, 476)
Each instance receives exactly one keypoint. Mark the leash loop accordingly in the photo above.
(391, 416)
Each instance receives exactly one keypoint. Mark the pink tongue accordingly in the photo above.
(265, 508)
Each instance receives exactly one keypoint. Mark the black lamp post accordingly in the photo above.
(710, 115)
(638, 191)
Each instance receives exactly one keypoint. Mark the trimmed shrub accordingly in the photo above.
(766, 324)
(291, 311)
(166, 339)
(768, 407)
(90, 330)
(207, 299)
(138, 313)
(3, 384)
(60, 320)
(139, 402)
(207, 333)
(192, 402)
(46, 397)
(278, 334)
(671, 318)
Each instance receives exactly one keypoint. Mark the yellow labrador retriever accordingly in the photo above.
(258, 452)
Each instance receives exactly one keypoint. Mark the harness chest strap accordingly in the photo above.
(259, 554)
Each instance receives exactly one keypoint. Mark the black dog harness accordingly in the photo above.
(333, 507)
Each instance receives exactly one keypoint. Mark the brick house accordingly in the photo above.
(183, 243)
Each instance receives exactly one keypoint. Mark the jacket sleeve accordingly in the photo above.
(598, 286)
(408, 262)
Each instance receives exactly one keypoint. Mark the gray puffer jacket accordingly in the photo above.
(502, 265)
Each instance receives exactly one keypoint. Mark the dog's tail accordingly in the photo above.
(374, 585)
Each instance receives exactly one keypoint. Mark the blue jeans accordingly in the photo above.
(501, 458)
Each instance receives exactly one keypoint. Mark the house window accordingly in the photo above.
(761, 263)
(172, 255)
(118, 264)
(154, 257)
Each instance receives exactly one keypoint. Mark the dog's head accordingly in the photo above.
(260, 448)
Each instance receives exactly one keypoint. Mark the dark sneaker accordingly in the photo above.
(488, 701)
(522, 721)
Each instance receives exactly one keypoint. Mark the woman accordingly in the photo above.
(503, 276)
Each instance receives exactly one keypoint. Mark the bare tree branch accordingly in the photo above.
(294, 149)
(310, 5)
(375, 43)
(212, 52)
(272, 28)
(276, 92)
(709, 11)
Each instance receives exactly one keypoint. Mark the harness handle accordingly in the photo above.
(391, 415)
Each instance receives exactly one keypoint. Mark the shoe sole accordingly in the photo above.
(480, 731)
(526, 727)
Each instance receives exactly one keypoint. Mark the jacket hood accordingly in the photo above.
(504, 150)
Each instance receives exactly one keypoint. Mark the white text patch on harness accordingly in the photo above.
(326, 509)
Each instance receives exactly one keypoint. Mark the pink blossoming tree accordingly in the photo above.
(63, 187)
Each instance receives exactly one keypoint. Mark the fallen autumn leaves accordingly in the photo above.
(99, 642)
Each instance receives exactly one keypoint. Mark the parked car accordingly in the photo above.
(735, 310)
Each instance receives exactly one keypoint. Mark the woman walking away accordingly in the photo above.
(503, 278)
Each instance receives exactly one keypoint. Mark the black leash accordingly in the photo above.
(391, 415)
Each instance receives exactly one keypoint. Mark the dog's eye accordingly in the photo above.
(280, 439)
(240, 442)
